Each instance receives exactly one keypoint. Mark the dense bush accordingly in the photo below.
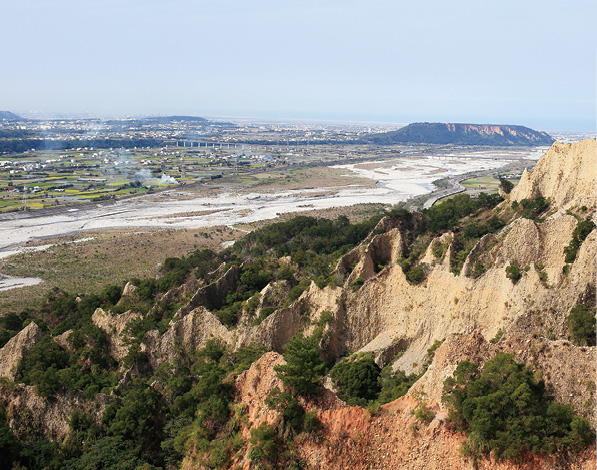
(304, 369)
(394, 384)
(581, 325)
(513, 272)
(447, 214)
(10, 324)
(292, 412)
(416, 275)
(581, 231)
(137, 416)
(506, 412)
(357, 380)
(264, 447)
(533, 208)
(506, 185)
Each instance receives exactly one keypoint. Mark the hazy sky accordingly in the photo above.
(516, 62)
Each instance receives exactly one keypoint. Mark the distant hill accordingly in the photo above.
(9, 115)
(462, 134)
(167, 119)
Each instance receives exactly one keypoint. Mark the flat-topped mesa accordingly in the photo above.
(442, 133)
(566, 174)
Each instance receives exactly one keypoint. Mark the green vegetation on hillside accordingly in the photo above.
(581, 325)
(358, 380)
(304, 369)
(155, 416)
(152, 420)
(581, 231)
(506, 412)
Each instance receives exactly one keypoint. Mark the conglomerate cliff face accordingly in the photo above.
(375, 308)
(392, 437)
(388, 314)
(566, 174)
(13, 351)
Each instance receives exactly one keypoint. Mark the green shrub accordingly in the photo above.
(498, 336)
(292, 412)
(394, 385)
(252, 304)
(311, 423)
(581, 325)
(264, 447)
(416, 275)
(513, 272)
(263, 314)
(580, 233)
(304, 369)
(505, 411)
(325, 318)
(506, 185)
(566, 270)
(423, 413)
(532, 208)
(438, 249)
(357, 378)
(357, 283)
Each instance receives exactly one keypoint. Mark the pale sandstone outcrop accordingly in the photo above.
(62, 339)
(567, 370)
(13, 351)
(479, 254)
(443, 303)
(443, 240)
(128, 291)
(532, 243)
(566, 174)
(28, 412)
(212, 295)
(114, 326)
(189, 333)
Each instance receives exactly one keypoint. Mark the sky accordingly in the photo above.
(524, 62)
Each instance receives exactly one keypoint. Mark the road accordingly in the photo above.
(454, 187)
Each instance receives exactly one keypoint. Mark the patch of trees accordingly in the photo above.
(358, 380)
(150, 423)
(581, 325)
(580, 233)
(506, 185)
(312, 243)
(86, 367)
(505, 411)
(304, 369)
(10, 325)
(62, 311)
(447, 214)
(531, 208)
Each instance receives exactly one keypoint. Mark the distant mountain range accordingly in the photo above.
(462, 134)
(9, 115)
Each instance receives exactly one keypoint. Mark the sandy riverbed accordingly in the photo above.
(398, 180)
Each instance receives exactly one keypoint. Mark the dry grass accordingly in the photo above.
(294, 179)
(112, 257)
(116, 256)
(354, 213)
